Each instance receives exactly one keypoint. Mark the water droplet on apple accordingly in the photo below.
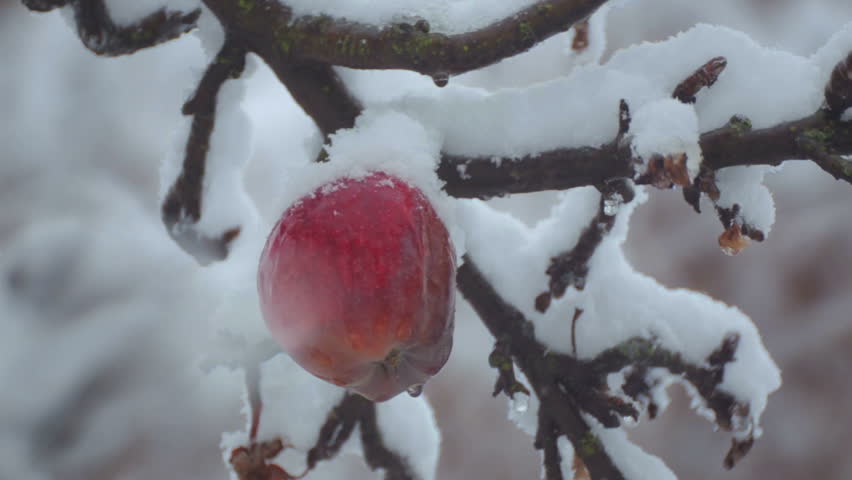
(415, 390)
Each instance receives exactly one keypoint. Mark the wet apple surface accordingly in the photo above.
(357, 283)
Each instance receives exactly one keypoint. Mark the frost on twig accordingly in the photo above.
(100, 34)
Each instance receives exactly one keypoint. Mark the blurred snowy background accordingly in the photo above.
(103, 318)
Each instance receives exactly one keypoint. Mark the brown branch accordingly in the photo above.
(561, 169)
(546, 438)
(44, 5)
(181, 208)
(253, 462)
(566, 385)
(376, 453)
(355, 410)
(705, 76)
(399, 46)
(315, 86)
(101, 35)
(501, 359)
(508, 325)
(322, 95)
(570, 268)
(338, 427)
(838, 92)
(641, 354)
(734, 144)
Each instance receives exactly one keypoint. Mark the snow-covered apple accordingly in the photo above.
(357, 283)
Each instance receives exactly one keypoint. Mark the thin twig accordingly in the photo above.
(100, 34)
(181, 208)
(704, 76)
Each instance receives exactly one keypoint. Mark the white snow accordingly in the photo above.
(631, 460)
(128, 12)
(618, 303)
(444, 16)
(744, 186)
(667, 127)
(224, 202)
(835, 50)
(408, 428)
(295, 422)
(381, 140)
(567, 103)
(768, 86)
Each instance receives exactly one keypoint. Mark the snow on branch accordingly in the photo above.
(103, 36)
(317, 88)
(570, 268)
(182, 206)
(820, 137)
(509, 326)
(838, 92)
(567, 386)
(414, 47)
(353, 413)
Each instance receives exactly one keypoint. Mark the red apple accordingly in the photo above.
(357, 283)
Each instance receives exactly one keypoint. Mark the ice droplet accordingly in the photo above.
(441, 79)
(415, 390)
(520, 402)
(612, 204)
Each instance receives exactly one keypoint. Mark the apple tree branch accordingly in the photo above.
(100, 34)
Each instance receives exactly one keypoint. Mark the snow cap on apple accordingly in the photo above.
(357, 283)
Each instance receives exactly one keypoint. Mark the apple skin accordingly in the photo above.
(357, 284)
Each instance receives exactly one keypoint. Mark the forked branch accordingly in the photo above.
(567, 386)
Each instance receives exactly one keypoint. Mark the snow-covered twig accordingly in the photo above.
(103, 36)
(567, 386)
(182, 206)
(356, 411)
(821, 137)
(508, 325)
(570, 268)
